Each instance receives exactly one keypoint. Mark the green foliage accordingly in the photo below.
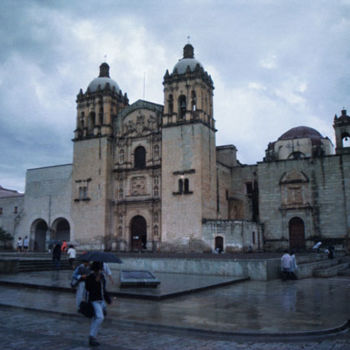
(5, 236)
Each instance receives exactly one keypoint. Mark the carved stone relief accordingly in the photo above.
(138, 186)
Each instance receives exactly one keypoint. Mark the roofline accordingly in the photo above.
(50, 166)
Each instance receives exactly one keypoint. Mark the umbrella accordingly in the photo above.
(100, 256)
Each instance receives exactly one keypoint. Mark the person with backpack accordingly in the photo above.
(96, 287)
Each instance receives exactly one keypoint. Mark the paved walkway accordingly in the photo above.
(20, 329)
(247, 315)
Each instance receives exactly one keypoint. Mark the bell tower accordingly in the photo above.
(97, 110)
(341, 127)
(188, 153)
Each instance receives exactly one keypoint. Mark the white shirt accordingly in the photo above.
(72, 253)
(286, 261)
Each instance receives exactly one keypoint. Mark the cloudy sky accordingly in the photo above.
(275, 65)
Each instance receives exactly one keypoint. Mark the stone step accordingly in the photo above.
(306, 270)
(40, 265)
(330, 271)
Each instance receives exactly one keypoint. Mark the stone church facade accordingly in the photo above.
(150, 177)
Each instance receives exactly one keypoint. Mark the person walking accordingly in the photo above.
(72, 254)
(56, 256)
(285, 265)
(25, 244)
(19, 244)
(107, 272)
(96, 287)
(78, 280)
(64, 246)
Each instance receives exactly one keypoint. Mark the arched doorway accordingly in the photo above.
(138, 229)
(219, 244)
(296, 234)
(61, 230)
(40, 230)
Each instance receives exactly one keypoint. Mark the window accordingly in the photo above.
(156, 191)
(249, 188)
(186, 185)
(82, 118)
(296, 155)
(91, 122)
(182, 106)
(15, 210)
(82, 192)
(100, 117)
(253, 237)
(345, 140)
(156, 151)
(140, 157)
(0, 211)
(121, 156)
(193, 100)
(181, 185)
(171, 104)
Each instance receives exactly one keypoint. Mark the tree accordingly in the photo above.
(5, 237)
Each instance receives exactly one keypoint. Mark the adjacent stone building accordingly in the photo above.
(150, 177)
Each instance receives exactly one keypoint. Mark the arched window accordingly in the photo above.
(345, 140)
(140, 157)
(181, 186)
(193, 100)
(182, 106)
(171, 104)
(187, 186)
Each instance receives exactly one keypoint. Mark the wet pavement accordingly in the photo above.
(171, 285)
(246, 315)
(251, 306)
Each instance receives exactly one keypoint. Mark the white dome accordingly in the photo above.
(102, 81)
(182, 65)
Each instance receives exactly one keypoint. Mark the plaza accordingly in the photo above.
(310, 313)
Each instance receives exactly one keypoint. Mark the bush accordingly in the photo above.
(5, 238)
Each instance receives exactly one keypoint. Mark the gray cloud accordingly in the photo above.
(275, 65)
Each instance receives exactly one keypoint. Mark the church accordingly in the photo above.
(150, 177)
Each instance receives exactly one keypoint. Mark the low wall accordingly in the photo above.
(8, 265)
(262, 270)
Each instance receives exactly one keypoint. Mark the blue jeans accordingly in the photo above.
(98, 305)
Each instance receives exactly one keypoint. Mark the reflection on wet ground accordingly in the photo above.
(171, 284)
(251, 306)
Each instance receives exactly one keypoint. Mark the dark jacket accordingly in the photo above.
(96, 289)
(56, 254)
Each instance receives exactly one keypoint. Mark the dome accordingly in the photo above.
(301, 132)
(187, 61)
(102, 80)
